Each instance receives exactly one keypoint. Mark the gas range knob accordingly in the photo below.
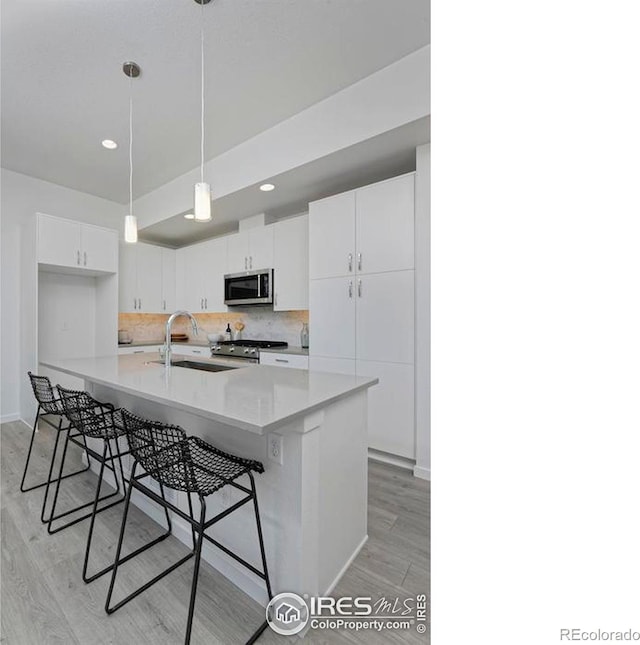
(232, 349)
(254, 351)
(246, 351)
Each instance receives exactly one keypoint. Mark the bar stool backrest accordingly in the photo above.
(44, 393)
(80, 409)
(161, 449)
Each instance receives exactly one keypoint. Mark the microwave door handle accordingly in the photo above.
(259, 286)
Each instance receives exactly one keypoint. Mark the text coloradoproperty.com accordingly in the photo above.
(599, 635)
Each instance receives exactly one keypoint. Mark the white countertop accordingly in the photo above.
(257, 398)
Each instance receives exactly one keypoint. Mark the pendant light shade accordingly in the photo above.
(130, 229)
(202, 190)
(132, 71)
(202, 202)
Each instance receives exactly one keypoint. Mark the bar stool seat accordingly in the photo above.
(193, 466)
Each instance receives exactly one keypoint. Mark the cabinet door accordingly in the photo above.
(260, 248)
(214, 263)
(332, 236)
(391, 407)
(333, 365)
(238, 253)
(385, 317)
(99, 249)
(280, 359)
(59, 241)
(332, 314)
(291, 264)
(168, 280)
(149, 278)
(191, 269)
(385, 226)
(127, 279)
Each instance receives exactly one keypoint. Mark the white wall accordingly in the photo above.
(423, 311)
(22, 196)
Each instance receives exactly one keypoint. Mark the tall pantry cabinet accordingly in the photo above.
(361, 300)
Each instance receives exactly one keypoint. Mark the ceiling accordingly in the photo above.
(63, 89)
(378, 158)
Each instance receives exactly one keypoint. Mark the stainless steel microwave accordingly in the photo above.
(249, 288)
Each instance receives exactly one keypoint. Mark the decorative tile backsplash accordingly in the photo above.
(259, 322)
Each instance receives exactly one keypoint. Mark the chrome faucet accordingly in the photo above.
(167, 345)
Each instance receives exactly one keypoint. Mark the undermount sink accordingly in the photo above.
(195, 365)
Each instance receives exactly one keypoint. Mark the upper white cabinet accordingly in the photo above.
(333, 231)
(291, 264)
(385, 225)
(250, 250)
(147, 279)
(368, 230)
(73, 245)
(199, 276)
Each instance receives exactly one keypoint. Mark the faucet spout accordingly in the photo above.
(167, 345)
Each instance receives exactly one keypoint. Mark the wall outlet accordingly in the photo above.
(274, 447)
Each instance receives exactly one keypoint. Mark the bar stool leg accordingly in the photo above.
(26, 466)
(260, 539)
(196, 569)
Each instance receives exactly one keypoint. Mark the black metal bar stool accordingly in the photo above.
(49, 405)
(190, 465)
(107, 424)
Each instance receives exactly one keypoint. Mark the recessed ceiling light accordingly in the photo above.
(189, 216)
(267, 187)
(109, 145)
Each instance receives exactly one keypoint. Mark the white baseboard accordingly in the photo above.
(422, 473)
(394, 460)
(8, 418)
(348, 563)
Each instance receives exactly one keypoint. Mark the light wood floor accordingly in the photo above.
(45, 601)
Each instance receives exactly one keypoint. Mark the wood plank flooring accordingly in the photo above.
(44, 600)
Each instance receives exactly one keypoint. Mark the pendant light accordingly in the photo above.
(130, 221)
(202, 191)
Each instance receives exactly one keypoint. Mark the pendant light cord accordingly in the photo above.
(202, 92)
(130, 145)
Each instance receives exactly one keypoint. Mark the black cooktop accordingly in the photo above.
(254, 343)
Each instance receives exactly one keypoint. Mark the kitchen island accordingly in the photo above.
(308, 428)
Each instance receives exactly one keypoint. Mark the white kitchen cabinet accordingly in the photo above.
(191, 350)
(250, 250)
(281, 359)
(168, 261)
(384, 317)
(291, 264)
(391, 407)
(69, 244)
(141, 349)
(332, 318)
(332, 229)
(140, 278)
(385, 225)
(362, 301)
(200, 283)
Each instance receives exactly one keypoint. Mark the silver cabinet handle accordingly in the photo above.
(139, 303)
(281, 360)
(197, 351)
(350, 262)
(245, 262)
(251, 261)
(138, 351)
(78, 258)
(206, 303)
(85, 258)
(359, 261)
(359, 288)
(135, 303)
(164, 305)
(275, 299)
(201, 303)
(350, 289)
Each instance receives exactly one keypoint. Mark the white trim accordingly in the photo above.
(394, 460)
(347, 564)
(422, 473)
(8, 418)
